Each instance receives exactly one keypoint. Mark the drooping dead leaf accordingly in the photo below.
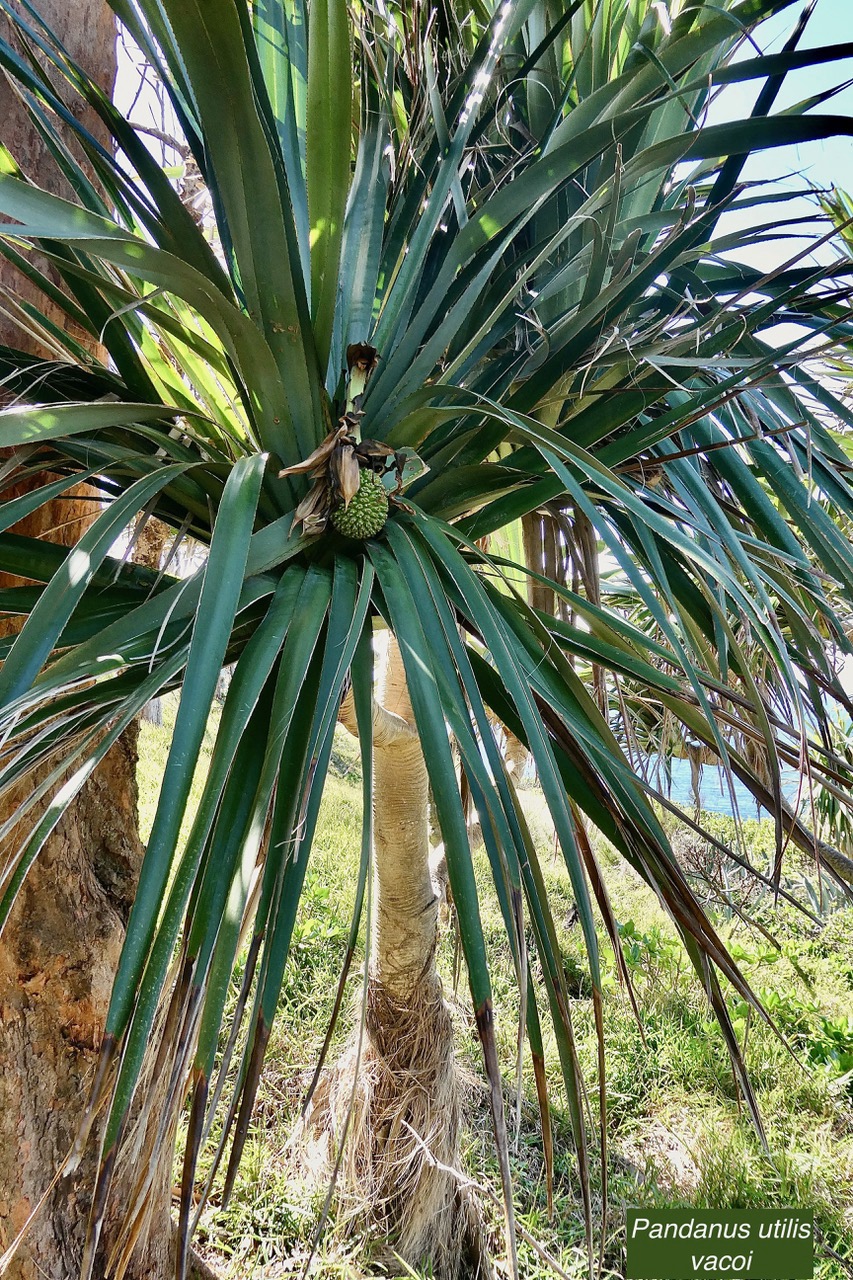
(314, 507)
(318, 458)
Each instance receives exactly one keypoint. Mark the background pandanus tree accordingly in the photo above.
(483, 256)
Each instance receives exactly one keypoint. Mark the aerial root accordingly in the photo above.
(404, 1098)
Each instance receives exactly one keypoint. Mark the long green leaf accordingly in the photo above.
(328, 129)
(223, 580)
(55, 605)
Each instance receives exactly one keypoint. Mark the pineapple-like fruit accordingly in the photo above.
(367, 510)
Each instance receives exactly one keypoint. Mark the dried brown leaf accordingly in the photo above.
(348, 471)
(313, 507)
(319, 458)
(312, 525)
(360, 355)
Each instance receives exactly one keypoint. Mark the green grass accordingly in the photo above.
(677, 1133)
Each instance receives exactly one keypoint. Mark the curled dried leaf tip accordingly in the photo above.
(336, 466)
(318, 460)
(361, 356)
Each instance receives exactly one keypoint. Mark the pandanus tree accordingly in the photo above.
(468, 268)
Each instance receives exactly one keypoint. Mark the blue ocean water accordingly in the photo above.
(715, 790)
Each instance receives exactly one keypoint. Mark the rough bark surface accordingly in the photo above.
(59, 950)
(87, 29)
(57, 960)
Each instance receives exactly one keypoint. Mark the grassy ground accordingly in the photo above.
(677, 1135)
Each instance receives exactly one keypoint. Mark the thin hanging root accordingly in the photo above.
(120, 1258)
(405, 1110)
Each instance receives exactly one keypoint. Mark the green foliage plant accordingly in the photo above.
(520, 207)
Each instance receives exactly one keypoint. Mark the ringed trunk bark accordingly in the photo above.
(405, 899)
(402, 1091)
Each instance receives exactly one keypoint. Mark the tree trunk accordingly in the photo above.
(405, 932)
(60, 948)
(400, 1080)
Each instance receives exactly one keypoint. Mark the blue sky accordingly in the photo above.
(824, 164)
(831, 161)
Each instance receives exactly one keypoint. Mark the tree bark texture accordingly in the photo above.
(405, 899)
(401, 1089)
(60, 948)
